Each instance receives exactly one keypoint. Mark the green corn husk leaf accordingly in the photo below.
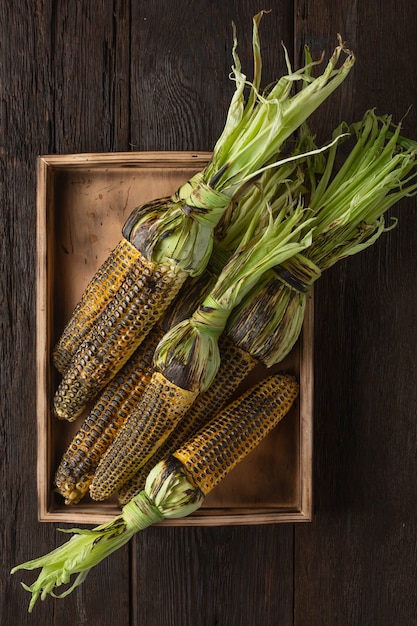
(347, 194)
(168, 493)
(277, 188)
(270, 119)
(350, 200)
(180, 228)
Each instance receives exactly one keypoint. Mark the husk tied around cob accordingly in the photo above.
(347, 189)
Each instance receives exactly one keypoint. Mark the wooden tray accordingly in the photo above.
(83, 200)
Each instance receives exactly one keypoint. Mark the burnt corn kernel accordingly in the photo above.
(96, 296)
(235, 365)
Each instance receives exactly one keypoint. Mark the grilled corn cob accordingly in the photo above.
(100, 290)
(138, 305)
(175, 487)
(176, 233)
(161, 407)
(78, 464)
(235, 365)
(219, 446)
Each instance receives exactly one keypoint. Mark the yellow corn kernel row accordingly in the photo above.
(98, 430)
(139, 303)
(99, 291)
(235, 366)
(161, 407)
(221, 444)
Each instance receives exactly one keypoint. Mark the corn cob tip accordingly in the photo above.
(77, 466)
(71, 490)
(61, 359)
(71, 399)
(98, 293)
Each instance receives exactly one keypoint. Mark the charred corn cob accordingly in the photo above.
(175, 487)
(235, 365)
(177, 231)
(100, 290)
(220, 445)
(78, 464)
(119, 398)
(138, 305)
(146, 428)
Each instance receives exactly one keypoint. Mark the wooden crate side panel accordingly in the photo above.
(82, 202)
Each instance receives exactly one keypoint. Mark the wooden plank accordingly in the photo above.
(53, 69)
(89, 70)
(25, 104)
(356, 563)
(230, 575)
(181, 61)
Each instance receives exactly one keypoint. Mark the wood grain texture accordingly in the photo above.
(88, 76)
(359, 555)
(207, 576)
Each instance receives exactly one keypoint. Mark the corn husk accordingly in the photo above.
(180, 228)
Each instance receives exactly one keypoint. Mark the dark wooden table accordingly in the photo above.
(92, 76)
